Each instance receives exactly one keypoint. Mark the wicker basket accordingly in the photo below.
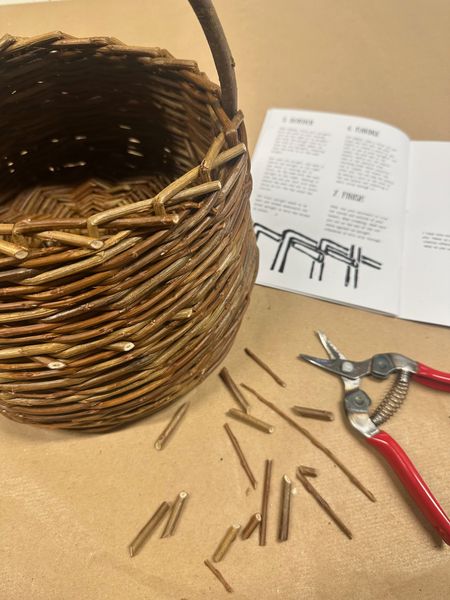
(127, 253)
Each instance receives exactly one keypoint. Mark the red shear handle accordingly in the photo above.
(439, 380)
(413, 482)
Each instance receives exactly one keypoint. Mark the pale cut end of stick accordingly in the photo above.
(56, 364)
(251, 526)
(175, 514)
(96, 244)
(21, 254)
(121, 346)
(128, 346)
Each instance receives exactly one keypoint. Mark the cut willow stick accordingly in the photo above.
(265, 367)
(225, 543)
(314, 441)
(235, 391)
(175, 514)
(148, 529)
(240, 415)
(308, 471)
(241, 456)
(253, 523)
(71, 239)
(324, 504)
(13, 250)
(186, 313)
(95, 221)
(50, 363)
(173, 424)
(121, 346)
(219, 575)
(285, 512)
(265, 503)
(313, 413)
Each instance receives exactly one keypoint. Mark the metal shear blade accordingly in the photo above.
(333, 352)
(337, 363)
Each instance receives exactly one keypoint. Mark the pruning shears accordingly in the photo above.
(357, 404)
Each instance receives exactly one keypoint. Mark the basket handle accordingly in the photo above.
(212, 28)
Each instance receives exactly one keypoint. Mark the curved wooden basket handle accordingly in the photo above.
(212, 28)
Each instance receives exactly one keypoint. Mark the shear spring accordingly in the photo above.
(393, 399)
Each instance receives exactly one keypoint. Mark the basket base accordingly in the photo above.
(80, 199)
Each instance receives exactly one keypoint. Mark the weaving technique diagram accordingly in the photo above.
(318, 251)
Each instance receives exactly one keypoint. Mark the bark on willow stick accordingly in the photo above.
(313, 413)
(225, 544)
(219, 575)
(235, 391)
(324, 504)
(240, 415)
(148, 529)
(253, 523)
(51, 363)
(173, 424)
(241, 456)
(265, 367)
(265, 503)
(308, 471)
(175, 514)
(314, 441)
(285, 512)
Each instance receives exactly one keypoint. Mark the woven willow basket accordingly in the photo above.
(127, 253)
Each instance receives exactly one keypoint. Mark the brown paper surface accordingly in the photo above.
(70, 504)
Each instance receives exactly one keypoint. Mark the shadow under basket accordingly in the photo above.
(127, 253)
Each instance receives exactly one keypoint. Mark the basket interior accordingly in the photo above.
(88, 125)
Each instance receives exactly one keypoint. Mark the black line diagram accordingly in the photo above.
(318, 251)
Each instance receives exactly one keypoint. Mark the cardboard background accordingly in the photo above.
(70, 503)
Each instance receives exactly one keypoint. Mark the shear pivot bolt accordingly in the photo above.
(347, 366)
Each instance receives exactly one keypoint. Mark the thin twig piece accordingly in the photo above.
(225, 544)
(219, 575)
(308, 471)
(173, 424)
(253, 523)
(233, 388)
(324, 504)
(314, 441)
(148, 529)
(241, 456)
(265, 367)
(251, 420)
(313, 413)
(175, 513)
(265, 503)
(285, 512)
